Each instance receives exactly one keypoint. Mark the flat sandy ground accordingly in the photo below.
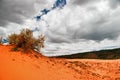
(33, 66)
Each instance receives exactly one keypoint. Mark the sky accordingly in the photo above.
(80, 26)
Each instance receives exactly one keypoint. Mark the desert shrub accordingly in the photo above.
(40, 42)
(0, 39)
(26, 41)
(13, 39)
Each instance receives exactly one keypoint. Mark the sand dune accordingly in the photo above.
(34, 66)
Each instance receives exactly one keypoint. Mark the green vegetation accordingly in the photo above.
(103, 54)
(26, 41)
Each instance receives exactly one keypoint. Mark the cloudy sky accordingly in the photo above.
(81, 26)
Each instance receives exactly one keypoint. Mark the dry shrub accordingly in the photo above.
(40, 42)
(0, 39)
(26, 41)
(13, 39)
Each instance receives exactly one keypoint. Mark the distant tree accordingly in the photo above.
(26, 41)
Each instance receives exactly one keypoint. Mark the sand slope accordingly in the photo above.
(33, 66)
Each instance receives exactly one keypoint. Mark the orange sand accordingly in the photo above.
(33, 66)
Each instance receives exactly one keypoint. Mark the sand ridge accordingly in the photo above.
(20, 66)
(34, 66)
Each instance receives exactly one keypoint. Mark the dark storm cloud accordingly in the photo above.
(57, 38)
(114, 3)
(83, 2)
(15, 11)
(98, 34)
(98, 31)
(2, 32)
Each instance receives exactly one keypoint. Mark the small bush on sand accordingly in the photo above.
(13, 39)
(0, 39)
(26, 41)
(40, 42)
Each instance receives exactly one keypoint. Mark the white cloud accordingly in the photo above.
(80, 23)
(99, 28)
